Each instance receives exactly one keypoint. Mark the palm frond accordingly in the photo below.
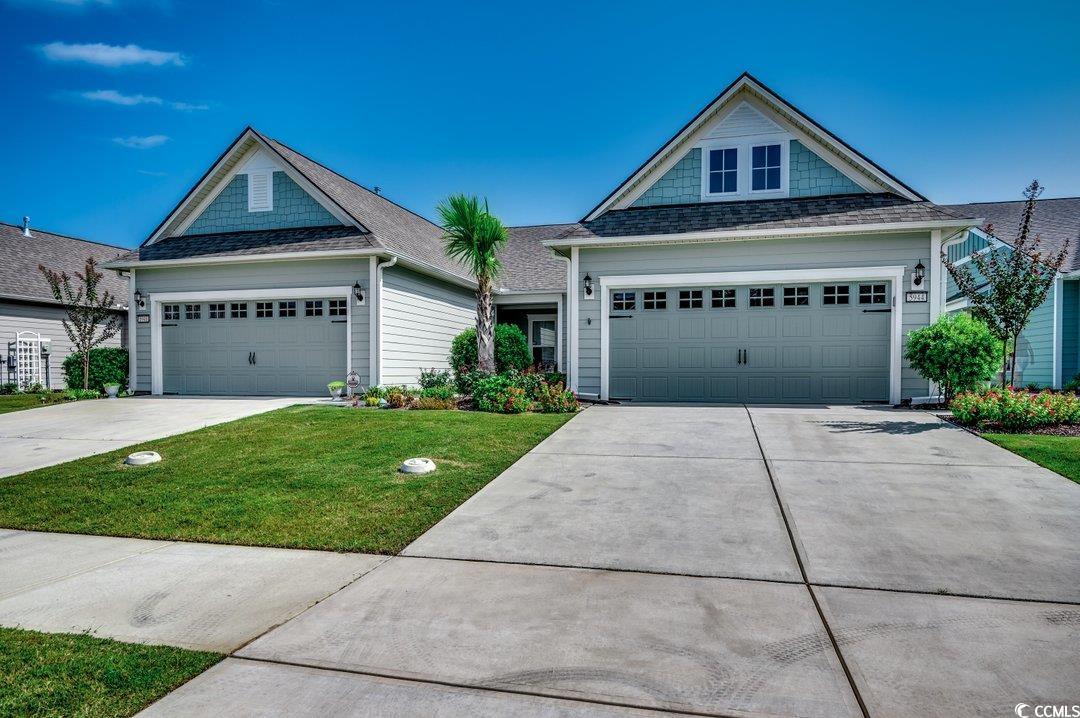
(472, 235)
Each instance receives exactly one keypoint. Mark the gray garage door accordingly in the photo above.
(278, 348)
(803, 343)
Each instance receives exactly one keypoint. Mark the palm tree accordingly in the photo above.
(474, 236)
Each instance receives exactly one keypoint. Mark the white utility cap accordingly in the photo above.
(417, 466)
(141, 458)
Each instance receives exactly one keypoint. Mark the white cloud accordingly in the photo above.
(188, 107)
(137, 142)
(151, 173)
(116, 98)
(110, 55)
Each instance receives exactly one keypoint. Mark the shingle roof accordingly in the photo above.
(237, 244)
(529, 266)
(1056, 221)
(19, 275)
(778, 214)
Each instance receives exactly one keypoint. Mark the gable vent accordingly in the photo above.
(260, 191)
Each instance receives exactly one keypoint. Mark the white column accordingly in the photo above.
(1059, 321)
(133, 328)
(936, 286)
(572, 297)
(373, 321)
(559, 323)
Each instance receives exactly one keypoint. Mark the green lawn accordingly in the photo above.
(15, 402)
(303, 477)
(59, 674)
(1057, 453)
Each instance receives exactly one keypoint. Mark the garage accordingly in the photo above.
(799, 342)
(270, 347)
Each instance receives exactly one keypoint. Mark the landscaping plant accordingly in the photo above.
(431, 378)
(1009, 282)
(512, 353)
(91, 313)
(108, 365)
(474, 236)
(555, 399)
(957, 352)
(1073, 385)
(1013, 410)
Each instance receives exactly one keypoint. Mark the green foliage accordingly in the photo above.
(513, 400)
(444, 392)
(59, 397)
(492, 392)
(108, 365)
(555, 399)
(1073, 385)
(434, 402)
(430, 378)
(9, 388)
(511, 352)
(336, 385)
(375, 392)
(372, 400)
(958, 352)
(1013, 410)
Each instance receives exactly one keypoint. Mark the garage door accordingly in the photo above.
(804, 343)
(278, 348)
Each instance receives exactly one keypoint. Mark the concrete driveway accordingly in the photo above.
(49, 435)
(719, 560)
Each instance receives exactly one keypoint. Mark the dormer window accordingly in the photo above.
(765, 168)
(724, 170)
(261, 191)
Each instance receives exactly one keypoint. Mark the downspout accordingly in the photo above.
(376, 361)
(570, 322)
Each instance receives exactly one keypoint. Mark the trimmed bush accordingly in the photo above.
(108, 365)
(555, 399)
(430, 402)
(514, 392)
(443, 393)
(511, 351)
(1014, 410)
(958, 352)
(1073, 385)
(431, 378)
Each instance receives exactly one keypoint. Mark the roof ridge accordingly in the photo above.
(67, 236)
(544, 224)
(1011, 201)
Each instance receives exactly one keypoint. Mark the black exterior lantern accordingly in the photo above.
(358, 292)
(138, 299)
(588, 286)
(920, 272)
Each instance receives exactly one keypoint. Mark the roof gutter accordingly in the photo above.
(749, 234)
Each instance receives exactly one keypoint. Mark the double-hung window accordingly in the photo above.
(765, 168)
(724, 170)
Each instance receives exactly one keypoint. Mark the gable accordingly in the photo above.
(743, 121)
(291, 208)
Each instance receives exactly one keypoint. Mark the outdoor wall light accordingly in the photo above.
(588, 286)
(139, 299)
(920, 272)
(358, 292)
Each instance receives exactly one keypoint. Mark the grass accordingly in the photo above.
(43, 674)
(17, 402)
(1057, 453)
(301, 477)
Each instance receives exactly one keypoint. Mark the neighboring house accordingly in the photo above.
(1048, 352)
(755, 257)
(27, 306)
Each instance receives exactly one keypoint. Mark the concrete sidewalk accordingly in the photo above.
(35, 438)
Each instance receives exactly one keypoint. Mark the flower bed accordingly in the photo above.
(1013, 410)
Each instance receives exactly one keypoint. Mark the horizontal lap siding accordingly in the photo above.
(252, 276)
(1035, 351)
(781, 254)
(420, 318)
(1070, 330)
(47, 321)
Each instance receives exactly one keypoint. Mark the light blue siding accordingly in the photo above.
(252, 276)
(811, 176)
(293, 207)
(680, 185)
(420, 318)
(1070, 330)
(1035, 350)
(879, 250)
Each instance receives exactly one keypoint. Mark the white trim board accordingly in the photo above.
(892, 273)
(157, 378)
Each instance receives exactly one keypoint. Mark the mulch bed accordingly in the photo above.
(1055, 430)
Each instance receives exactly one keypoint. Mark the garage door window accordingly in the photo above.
(193, 311)
(313, 308)
(264, 310)
(836, 294)
(654, 300)
(690, 299)
(170, 312)
(286, 309)
(796, 296)
(723, 299)
(623, 301)
(337, 308)
(217, 311)
(871, 294)
(238, 310)
(762, 297)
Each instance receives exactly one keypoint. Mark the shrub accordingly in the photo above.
(511, 350)
(431, 378)
(1016, 410)
(464, 382)
(395, 400)
(108, 365)
(443, 393)
(513, 400)
(372, 400)
(432, 402)
(375, 392)
(486, 389)
(9, 388)
(555, 399)
(957, 352)
(1073, 385)
(336, 385)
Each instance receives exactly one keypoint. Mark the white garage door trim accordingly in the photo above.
(895, 274)
(156, 300)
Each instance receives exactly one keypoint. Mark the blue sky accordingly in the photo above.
(113, 109)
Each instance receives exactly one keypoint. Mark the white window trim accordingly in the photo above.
(269, 175)
(893, 274)
(744, 182)
(155, 301)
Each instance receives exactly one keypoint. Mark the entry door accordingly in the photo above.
(797, 343)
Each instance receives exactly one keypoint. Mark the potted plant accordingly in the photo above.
(112, 390)
(336, 387)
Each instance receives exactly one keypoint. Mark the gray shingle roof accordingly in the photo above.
(1056, 221)
(529, 266)
(778, 214)
(19, 275)
(237, 244)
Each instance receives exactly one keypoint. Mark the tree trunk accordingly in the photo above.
(1004, 363)
(1012, 367)
(86, 370)
(485, 329)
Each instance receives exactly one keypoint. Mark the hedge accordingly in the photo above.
(108, 365)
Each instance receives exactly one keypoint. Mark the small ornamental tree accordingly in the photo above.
(91, 311)
(511, 350)
(957, 352)
(1009, 282)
